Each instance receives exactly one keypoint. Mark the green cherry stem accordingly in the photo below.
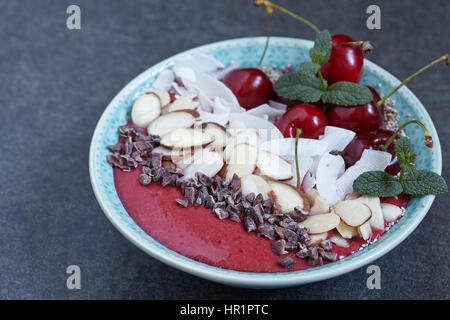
(365, 46)
(260, 3)
(269, 33)
(428, 138)
(298, 133)
(445, 57)
(322, 81)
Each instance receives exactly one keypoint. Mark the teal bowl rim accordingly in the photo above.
(262, 280)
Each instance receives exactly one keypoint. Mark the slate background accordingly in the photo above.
(55, 84)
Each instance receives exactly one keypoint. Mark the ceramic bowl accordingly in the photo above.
(246, 51)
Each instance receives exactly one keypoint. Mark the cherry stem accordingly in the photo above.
(445, 58)
(298, 133)
(269, 33)
(365, 46)
(428, 137)
(324, 86)
(270, 4)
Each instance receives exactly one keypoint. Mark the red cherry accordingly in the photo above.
(371, 140)
(251, 86)
(307, 117)
(363, 118)
(346, 61)
(401, 200)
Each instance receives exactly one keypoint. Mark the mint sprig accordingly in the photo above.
(377, 183)
(411, 181)
(345, 93)
(321, 51)
(302, 83)
(308, 85)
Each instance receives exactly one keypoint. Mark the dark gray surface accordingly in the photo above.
(55, 84)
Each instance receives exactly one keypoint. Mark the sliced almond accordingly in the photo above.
(365, 230)
(272, 166)
(377, 219)
(346, 231)
(316, 239)
(172, 154)
(311, 194)
(352, 196)
(189, 101)
(246, 136)
(253, 183)
(218, 132)
(163, 95)
(169, 122)
(318, 203)
(320, 206)
(287, 197)
(321, 223)
(353, 212)
(185, 138)
(205, 161)
(242, 161)
(145, 109)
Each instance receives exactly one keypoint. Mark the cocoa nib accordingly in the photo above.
(287, 262)
(279, 247)
(249, 224)
(145, 179)
(182, 202)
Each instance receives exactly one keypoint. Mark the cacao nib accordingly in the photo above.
(267, 231)
(249, 224)
(279, 247)
(221, 213)
(327, 245)
(145, 179)
(182, 202)
(330, 256)
(287, 262)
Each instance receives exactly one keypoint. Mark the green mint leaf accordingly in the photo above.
(301, 85)
(403, 150)
(309, 68)
(321, 51)
(345, 93)
(422, 182)
(377, 184)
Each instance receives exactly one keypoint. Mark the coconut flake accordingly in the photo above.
(200, 62)
(286, 147)
(219, 74)
(164, 80)
(266, 129)
(328, 171)
(266, 111)
(371, 160)
(391, 212)
(337, 138)
(309, 181)
(278, 105)
(339, 241)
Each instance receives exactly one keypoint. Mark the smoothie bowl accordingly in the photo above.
(258, 221)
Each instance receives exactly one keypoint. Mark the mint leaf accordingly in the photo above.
(309, 68)
(345, 93)
(403, 150)
(301, 85)
(422, 182)
(321, 51)
(377, 183)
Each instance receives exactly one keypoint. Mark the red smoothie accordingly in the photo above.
(198, 234)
